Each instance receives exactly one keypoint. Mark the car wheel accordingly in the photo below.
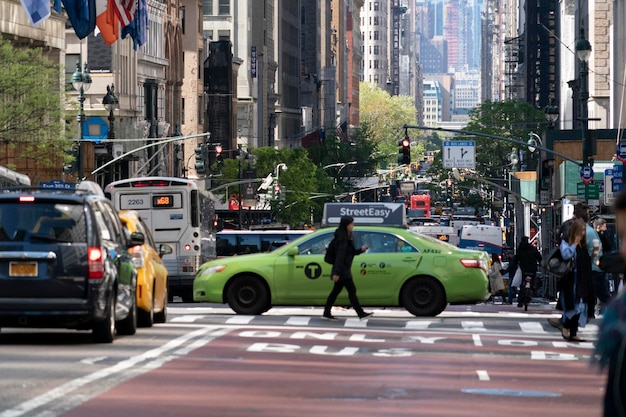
(103, 331)
(247, 295)
(423, 297)
(161, 316)
(128, 326)
(146, 318)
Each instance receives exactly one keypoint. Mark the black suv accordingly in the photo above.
(64, 263)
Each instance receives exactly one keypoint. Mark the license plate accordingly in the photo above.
(23, 269)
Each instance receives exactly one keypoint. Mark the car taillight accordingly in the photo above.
(94, 260)
(473, 263)
(137, 256)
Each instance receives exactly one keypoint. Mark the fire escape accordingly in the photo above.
(542, 52)
(396, 12)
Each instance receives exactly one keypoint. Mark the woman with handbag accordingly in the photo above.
(576, 286)
(496, 283)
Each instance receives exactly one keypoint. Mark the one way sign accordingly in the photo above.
(459, 154)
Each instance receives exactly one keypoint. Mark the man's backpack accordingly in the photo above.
(331, 253)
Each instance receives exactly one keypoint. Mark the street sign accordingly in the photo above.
(459, 154)
(618, 178)
(58, 184)
(593, 192)
(544, 197)
(372, 214)
(621, 151)
(586, 174)
(609, 196)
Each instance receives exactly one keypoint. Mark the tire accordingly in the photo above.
(146, 318)
(248, 295)
(161, 316)
(103, 331)
(423, 297)
(128, 326)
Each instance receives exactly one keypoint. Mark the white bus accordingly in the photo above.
(243, 242)
(178, 213)
(10, 178)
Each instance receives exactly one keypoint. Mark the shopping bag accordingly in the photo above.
(517, 278)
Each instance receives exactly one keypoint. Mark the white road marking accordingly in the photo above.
(298, 321)
(354, 322)
(189, 318)
(483, 375)
(152, 355)
(476, 339)
(240, 320)
(91, 361)
(417, 325)
(473, 325)
(531, 327)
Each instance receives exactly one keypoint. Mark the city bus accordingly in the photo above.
(10, 178)
(243, 242)
(178, 213)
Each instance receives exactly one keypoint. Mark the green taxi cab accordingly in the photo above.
(399, 269)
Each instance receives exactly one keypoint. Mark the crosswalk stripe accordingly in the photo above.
(187, 318)
(531, 327)
(417, 324)
(298, 321)
(240, 319)
(352, 322)
(473, 325)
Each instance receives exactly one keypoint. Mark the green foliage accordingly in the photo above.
(510, 119)
(32, 110)
(384, 116)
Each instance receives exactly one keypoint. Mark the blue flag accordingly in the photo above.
(37, 10)
(137, 29)
(82, 15)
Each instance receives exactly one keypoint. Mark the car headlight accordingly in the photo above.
(213, 270)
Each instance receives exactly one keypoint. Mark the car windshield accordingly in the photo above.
(432, 239)
(42, 222)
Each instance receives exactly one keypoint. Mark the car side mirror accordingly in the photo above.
(137, 238)
(293, 251)
(165, 249)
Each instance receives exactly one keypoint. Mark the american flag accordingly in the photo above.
(342, 131)
(125, 10)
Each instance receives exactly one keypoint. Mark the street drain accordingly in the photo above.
(510, 392)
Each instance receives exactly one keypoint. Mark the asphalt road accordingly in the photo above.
(487, 360)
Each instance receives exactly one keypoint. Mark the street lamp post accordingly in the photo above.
(583, 51)
(111, 102)
(81, 81)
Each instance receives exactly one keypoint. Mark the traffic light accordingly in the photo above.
(200, 165)
(70, 164)
(219, 157)
(277, 192)
(449, 192)
(405, 151)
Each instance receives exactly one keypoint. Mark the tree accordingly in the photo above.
(31, 117)
(384, 116)
(510, 119)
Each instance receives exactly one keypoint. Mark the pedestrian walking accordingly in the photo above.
(511, 270)
(528, 258)
(496, 283)
(341, 273)
(577, 296)
(610, 349)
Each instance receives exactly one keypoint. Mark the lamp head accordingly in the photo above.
(583, 47)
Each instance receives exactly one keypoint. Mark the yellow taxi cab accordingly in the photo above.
(151, 272)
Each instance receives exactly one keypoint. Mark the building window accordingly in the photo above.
(376, 35)
(376, 21)
(376, 63)
(223, 35)
(182, 18)
(182, 111)
(207, 5)
(376, 50)
(376, 6)
(224, 7)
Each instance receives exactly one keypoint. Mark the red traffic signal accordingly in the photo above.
(218, 153)
(406, 143)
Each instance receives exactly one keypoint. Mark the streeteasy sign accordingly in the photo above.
(379, 214)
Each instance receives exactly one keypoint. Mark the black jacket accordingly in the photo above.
(345, 254)
(528, 257)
